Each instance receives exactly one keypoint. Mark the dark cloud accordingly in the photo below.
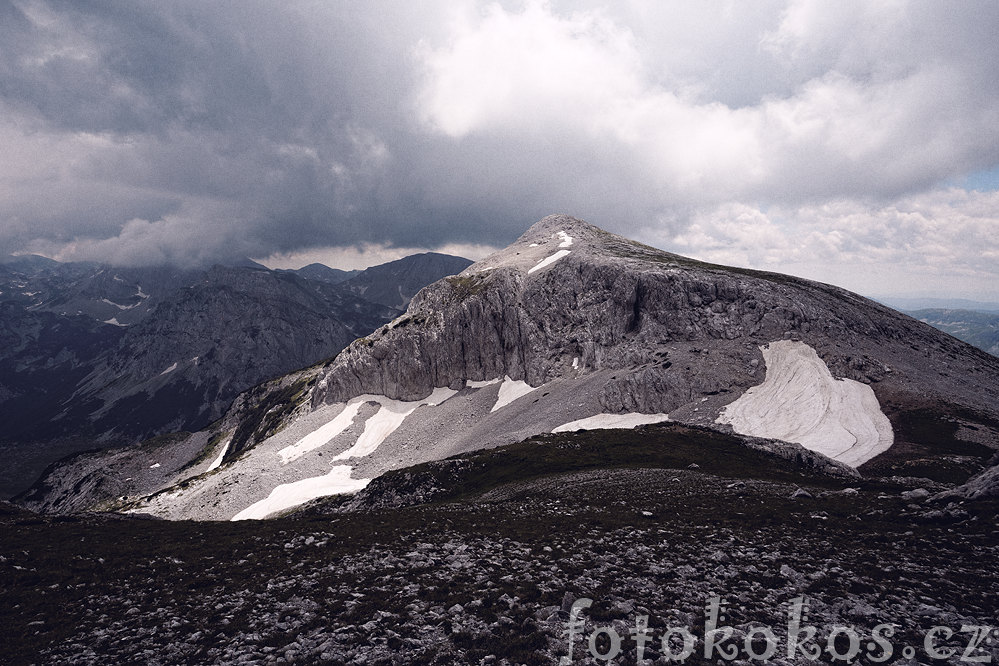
(188, 131)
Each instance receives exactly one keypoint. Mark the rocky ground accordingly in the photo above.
(487, 572)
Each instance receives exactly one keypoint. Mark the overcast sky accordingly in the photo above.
(851, 142)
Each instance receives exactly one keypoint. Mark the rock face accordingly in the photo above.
(571, 323)
(681, 327)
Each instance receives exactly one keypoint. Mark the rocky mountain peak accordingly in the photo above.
(550, 226)
(548, 241)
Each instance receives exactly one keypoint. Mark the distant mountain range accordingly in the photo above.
(974, 327)
(93, 355)
(909, 304)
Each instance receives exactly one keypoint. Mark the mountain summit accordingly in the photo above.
(572, 327)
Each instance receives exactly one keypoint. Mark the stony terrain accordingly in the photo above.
(486, 573)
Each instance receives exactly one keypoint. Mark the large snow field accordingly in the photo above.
(800, 401)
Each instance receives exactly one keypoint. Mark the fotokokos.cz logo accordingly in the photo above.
(761, 643)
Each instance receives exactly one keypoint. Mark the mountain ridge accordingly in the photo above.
(571, 324)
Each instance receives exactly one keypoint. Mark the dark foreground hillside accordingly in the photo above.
(487, 573)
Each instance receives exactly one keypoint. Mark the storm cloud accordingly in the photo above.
(851, 142)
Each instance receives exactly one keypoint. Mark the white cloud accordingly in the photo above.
(943, 242)
(858, 121)
(181, 239)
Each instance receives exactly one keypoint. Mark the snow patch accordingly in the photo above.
(605, 421)
(387, 420)
(549, 260)
(476, 384)
(566, 239)
(114, 322)
(575, 363)
(390, 415)
(510, 391)
(533, 245)
(218, 461)
(324, 434)
(118, 305)
(154, 466)
(288, 495)
(170, 369)
(800, 401)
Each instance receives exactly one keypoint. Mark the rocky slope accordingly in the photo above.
(573, 327)
(487, 572)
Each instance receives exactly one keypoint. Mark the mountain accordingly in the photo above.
(324, 273)
(181, 366)
(98, 356)
(909, 304)
(117, 296)
(394, 284)
(980, 329)
(574, 328)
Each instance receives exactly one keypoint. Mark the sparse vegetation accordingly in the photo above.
(267, 416)
(467, 286)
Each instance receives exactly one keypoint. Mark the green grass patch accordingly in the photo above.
(464, 287)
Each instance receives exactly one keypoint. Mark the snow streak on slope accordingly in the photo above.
(800, 401)
(605, 421)
(510, 391)
(323, 435)
(387, 420)
(218, 461)
(549, 260)
(290, 495)
(390, 415)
